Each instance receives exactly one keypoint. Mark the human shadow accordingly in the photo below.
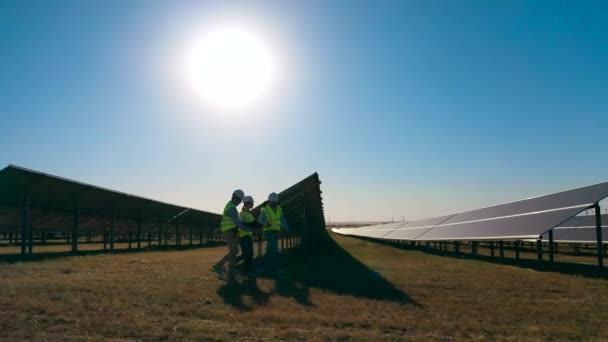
(234, 291)
(327, 266)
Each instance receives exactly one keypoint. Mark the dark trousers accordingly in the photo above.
(247, 252)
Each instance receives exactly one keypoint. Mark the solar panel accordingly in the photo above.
(53, 201)
(413, 229)
(579, 229)
(579, 235)
(524, 219)
(528, 226)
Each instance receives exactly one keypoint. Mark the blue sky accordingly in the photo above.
(405, 108)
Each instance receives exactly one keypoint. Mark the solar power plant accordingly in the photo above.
(524, 219)
(35, 206)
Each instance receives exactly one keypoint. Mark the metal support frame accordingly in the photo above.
(160, 233)
(598, 235)
(539, 249)
(517, 250)
(139, 232)
(492, 248)
(178, 237)
(105, 240)
(501, 246)
(75, 228)
(25, 224)
(112, 226)
(551, 257)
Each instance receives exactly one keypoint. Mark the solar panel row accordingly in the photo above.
(524, 219)
(53, 204)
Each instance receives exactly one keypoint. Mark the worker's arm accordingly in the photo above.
(262, 219)
(234, 215)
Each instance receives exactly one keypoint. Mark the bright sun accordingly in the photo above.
(230, 68)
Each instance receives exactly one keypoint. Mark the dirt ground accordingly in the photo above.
(351, 290)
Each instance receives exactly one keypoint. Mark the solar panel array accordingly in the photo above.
(579, 229)
(35, 204)
(519, 220)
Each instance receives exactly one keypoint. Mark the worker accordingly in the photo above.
(229, 227)
(273, 220)
(245, 236)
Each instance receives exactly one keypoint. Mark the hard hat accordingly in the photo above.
(248, 199)
(273, 197)
(239, 193)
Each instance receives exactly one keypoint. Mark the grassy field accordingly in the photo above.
(354, 290)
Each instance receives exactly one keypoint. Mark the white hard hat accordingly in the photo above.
(239, 193)
(273, 197)
(248, 199)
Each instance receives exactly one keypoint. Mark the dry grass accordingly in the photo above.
(364, 292)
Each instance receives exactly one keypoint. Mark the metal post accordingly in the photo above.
(129, 239)
(177, 233)
(149, 239)
(551, 245)
(492, 247)
(160, 233)
(456, 246)
(517, 250)
(139, 232)
(105, 241)
(75, 228)
(598, 234)
(25, 224)
(112, 224)
(190, 236)
(539, 250)
(501, 246)
(474, 248)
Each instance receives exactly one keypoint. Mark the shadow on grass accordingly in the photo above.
(234, 290)
(12, 258)
(568, 268)
(329, 267)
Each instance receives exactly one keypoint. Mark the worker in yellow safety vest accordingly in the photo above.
(273, 221)
(229, 227)
(245, 236)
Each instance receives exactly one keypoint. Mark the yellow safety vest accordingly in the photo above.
(227, 223)
(274, 218)
(246, 217)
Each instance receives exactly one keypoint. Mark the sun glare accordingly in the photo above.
(230, 67)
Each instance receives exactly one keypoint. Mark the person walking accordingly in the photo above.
(245, 236)
(273, 221)
(229, 227)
